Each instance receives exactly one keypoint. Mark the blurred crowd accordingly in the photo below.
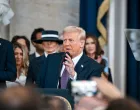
(27, 98)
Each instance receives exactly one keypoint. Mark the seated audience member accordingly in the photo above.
(19, 98)
(50, 42)
(21, 40)
(22, 62)
(123, 104)
(36, 35)
(94, 51)
(7, 63)
(53, 103)
(106, 93)
(57, 73)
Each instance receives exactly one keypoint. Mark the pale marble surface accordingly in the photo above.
(49, 14)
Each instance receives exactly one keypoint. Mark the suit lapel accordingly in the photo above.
(78, 68)
(61, 63)
(81, 63)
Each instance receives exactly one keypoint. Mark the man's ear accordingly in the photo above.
(82, 43)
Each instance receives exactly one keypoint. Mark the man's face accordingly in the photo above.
(38, 46)
(72, 43)
(50, 46)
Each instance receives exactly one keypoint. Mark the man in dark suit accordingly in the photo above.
(7, 63)
(50, 42)
(36, 35)
(59, 69)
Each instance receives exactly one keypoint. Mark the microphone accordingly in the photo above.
(63, 60)
(66, 56)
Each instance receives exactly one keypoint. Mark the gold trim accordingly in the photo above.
(102, 11)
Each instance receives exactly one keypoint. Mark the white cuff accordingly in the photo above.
(75, 77)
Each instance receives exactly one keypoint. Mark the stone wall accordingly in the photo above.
(49, 14)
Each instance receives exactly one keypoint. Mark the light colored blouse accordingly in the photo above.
(18, 82)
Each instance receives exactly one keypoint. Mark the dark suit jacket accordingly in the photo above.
(7, 63)
(34, 69)
(50, 72)
(32, 56)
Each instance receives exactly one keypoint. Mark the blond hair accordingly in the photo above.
(69, 29)
(25, 64)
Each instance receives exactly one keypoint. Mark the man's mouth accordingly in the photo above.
(67, 49)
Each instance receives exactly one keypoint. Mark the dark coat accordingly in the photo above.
(7, 63)
(50, 71)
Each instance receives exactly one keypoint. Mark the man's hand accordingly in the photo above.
(69, 65)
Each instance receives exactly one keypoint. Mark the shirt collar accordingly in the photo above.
(45, 54)
(37, 54)
(77, 58)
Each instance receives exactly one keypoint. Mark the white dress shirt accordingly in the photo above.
(75, 61)
(45, 54)
(37, 54)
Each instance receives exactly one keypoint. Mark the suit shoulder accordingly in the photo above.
(94, 63)
(55, 57)
(37, 59)
(56, 54)
(5, 41)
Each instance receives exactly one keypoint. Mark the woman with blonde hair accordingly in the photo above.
(22, 63)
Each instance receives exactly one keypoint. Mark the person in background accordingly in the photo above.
(92, 47)
(53, 103)
(19, 98)
(23, 40)
(50, 42)
(123, 104)
(22, 63)
(7, 63)
(36, 35)
(94, 51)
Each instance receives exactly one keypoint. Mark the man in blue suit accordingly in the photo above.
(50, 42)
(7, 63)
(60, 68)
